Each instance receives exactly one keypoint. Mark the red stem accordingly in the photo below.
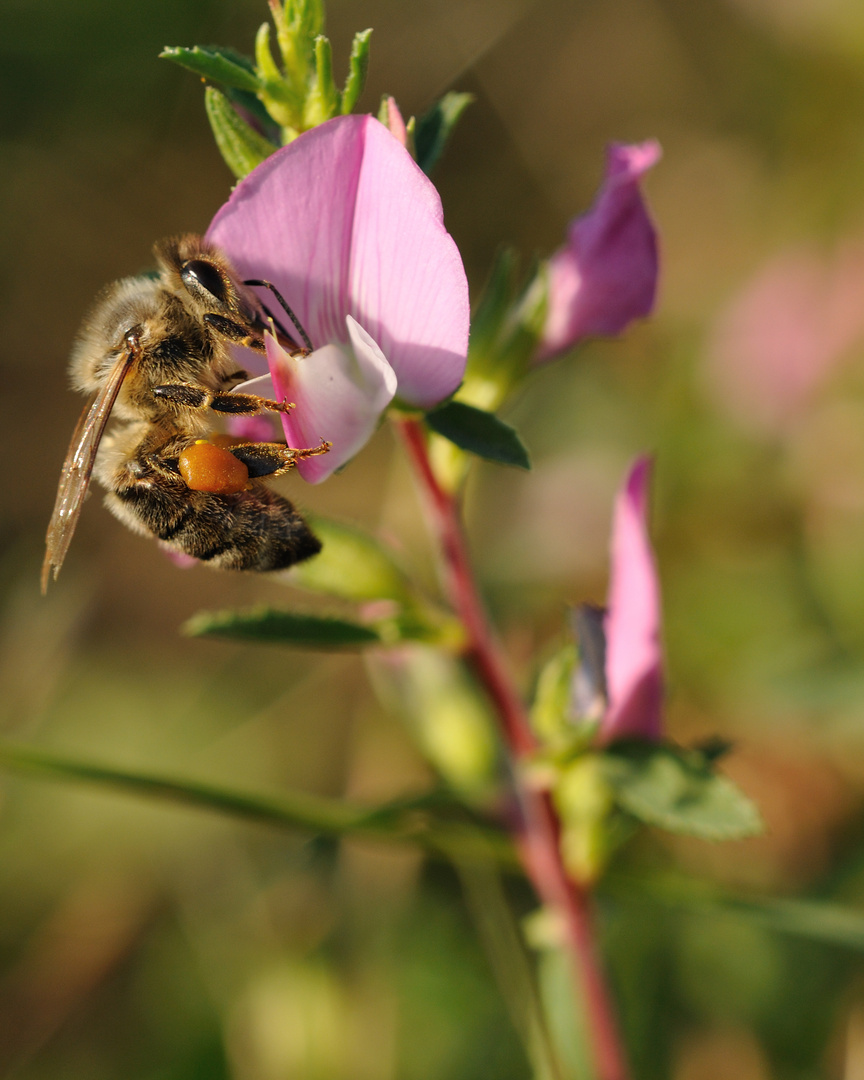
(541, 852)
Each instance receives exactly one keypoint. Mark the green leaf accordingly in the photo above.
(677, 790)
(436, 127)
(399, 822)
(322, 99)
(811, 918)
(282, 628)
(358, 64)
(282, 95)
(251, 104)
(241, 146)
(479, 432)
(218, 65)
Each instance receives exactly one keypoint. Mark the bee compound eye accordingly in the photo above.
(201, 277)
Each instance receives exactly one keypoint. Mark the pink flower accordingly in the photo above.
(351, 233)
(605, 276)
(634, 676)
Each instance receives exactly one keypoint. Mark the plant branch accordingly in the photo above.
(539, 839)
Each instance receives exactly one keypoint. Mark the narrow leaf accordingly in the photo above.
(251, 105)
(218, 65)
(398, 822)
(241, 146)
(322, 100)
(264, 56)
(811, 918)
(282, 628)
(479, 432)
(677, 790)
(358, 64)
(436, 126)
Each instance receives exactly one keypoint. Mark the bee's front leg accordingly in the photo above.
(273, 459)
(188, 396)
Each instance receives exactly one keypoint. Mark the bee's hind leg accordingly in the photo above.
(273, 459)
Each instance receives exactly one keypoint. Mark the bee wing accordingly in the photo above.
(75, 477)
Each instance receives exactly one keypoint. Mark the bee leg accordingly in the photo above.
(273, 459)
(196, 397)
(185, 394)
(234, 332)
(246, 404)
(252, 337)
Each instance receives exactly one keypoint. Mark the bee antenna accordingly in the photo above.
(269, 285)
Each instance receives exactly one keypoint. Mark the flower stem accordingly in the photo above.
(540, 849)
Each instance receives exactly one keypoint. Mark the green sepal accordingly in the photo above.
(479, 432)
(216, 64)
(282, 628)
(240, 145)
(677, 790)
(358, 64)
(436, 126)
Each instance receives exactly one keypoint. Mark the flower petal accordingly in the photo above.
(339, 393)
(606, 274)
(343, 222)
(634, 675)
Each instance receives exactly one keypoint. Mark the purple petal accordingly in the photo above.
(343, 222)
(253, 428)
(606, 274)
(634, 676)
(339, 393)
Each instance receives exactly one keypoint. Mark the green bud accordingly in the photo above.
(449, 717)
(585, 803)
(551, 716)
(352, 565)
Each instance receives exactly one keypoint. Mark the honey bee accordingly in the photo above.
(154, 353)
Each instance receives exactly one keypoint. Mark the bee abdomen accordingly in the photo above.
(255, 529)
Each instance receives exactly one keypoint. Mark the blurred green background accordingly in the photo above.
(156, 943)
